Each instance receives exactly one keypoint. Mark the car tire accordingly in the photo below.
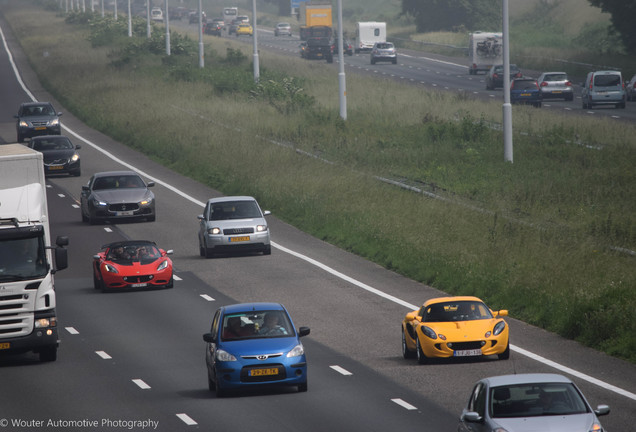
(395, 61)
(48, 354)
(267, 250)
(170, 284)
(96, 283)
(220, 391)
(406, 352)
(421, 357)
(20, 138)
(506, 354)
(211, 384)
(77, 173)
(207, 252)
(302, 387)
(84, 218)
(152, 218)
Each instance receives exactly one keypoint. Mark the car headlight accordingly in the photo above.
(163, 265)
(298, 350)
(54, 122)
(224, 356)
(110, 269)
(428, 332)
(499, 327)
(146, 201)
(23, 123)
(98, 203)
(596, 428)
(261, 228)
(214, 231)
(45, 322)
(75, 158)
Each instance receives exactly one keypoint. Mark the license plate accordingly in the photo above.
(56, 167)
(5, 345)
(263, 372)
(467, 353)
(525, 94)
(319, 55)
(139, 285)
(239, 239)
(40, 128)
(124, 213)
(557, 92)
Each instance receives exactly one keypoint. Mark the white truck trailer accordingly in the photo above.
(485, 50)
(368, 33)
(28, 320)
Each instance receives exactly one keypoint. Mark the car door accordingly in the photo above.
(210, 352)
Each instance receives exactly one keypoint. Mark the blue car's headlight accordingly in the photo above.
(224, 356)
(298, 350)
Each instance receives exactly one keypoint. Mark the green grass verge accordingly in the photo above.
(537, 237)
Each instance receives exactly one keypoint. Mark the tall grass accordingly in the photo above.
(536, 236)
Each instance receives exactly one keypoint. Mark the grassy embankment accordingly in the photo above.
(535, 237)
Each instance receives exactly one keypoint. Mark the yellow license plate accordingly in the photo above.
(525, 94)
(5, 345)
(57, 167)
(239, 239)
(263, 372)
(40, 128)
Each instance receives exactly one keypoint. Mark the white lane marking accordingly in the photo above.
(340, 370)
(175, 277)
(142, 385)
(61, 195)
(103, 355)
(207, 297)
(71, 330)
(403, 404)
(342, 276)
(186, 419)
(108, 229)
(74, 206)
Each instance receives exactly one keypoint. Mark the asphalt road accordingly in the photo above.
(133, 357)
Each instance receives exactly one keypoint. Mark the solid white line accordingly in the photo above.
(403, 404)
(186, 419)
(340, 370)
(71, 330)
(142, 385)
(207, 297)
(298, 255)
(103, 355)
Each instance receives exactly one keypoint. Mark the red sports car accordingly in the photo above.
(132, 264)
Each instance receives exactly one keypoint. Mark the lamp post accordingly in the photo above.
(342, 84)
(507, 107)
(255, 40)
(166, 19)
(201, 62)
(129, 20)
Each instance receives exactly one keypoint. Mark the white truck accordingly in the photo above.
(368, 33)
(28, 320)
(485, 50)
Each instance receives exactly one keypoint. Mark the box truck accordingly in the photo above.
(367, 34)
(28, 320)
(485, 50)
(316, 13)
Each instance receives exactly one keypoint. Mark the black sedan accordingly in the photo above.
(495, 76)
(37, 118)
(115, 195)
(60, 155)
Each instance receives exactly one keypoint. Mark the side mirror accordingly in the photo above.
(303, 331)
(200, 217)
(209, 338)
(61, 258)
(85, 188)
(502, 313)
(266, 212)
(61, 241)
(472, 417)
(77, 147)
(602, 410)
(150, 184)
(411, 316)
(59, 114)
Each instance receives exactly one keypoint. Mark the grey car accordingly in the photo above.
(630, 89)
(555, 85)
(383, 51)
(282, 28)
(233, 224)
(59, 153)
(603, 88)
(37, 118)
(115, 195)
(529, 402)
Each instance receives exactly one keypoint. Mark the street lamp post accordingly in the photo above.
(342, 84)
(201, 62)
(166, 19)
(255, 37)
(507, 107)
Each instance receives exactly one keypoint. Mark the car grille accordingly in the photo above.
(39, 123)
(232, 231)
(123, 207)
(466, 345)
(138, 279)
(62, 161)
(281, 375)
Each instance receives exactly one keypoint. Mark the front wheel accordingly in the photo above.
(406, 352)
(302, 387)
(506, 354)
(421, 357)
(48, 354)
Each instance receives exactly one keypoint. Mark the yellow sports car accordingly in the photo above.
(454, 327)
(244, 29)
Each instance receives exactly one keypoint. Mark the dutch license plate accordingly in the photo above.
(40, 128)
(139, 285)
(124, 213)
(557, 92)
(525, 94)
(5, 345)
(467, 353)
(239, 239)
(56, 167)
(263, 372)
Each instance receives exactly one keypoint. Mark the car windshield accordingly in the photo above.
(118, 182)
(129, 252)
(46, 144)
(607, 80)
(534, 400)
(455, 311)
(38, 110)
(256, 325)
(234, 210)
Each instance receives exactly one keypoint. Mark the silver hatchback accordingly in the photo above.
(555, 85)
(529, 402)
(383, 51)
(233, 224)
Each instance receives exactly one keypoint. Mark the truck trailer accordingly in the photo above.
(485, 50)
(316, 13)
(28, 321)
(367, 34)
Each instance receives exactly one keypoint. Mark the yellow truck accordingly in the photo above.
(313, 14)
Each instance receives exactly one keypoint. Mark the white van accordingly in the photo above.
(156, 14)
(603, 88)
(367, 34)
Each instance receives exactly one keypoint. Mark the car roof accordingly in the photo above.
(114, 173)
(231, 198)
(530, 378)
(256, 307)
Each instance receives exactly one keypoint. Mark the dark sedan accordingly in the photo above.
(495, 76)
(117, 195)
(60, 155)
(37, 118)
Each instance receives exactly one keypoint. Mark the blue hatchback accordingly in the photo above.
(525, 91)
(254, 344)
